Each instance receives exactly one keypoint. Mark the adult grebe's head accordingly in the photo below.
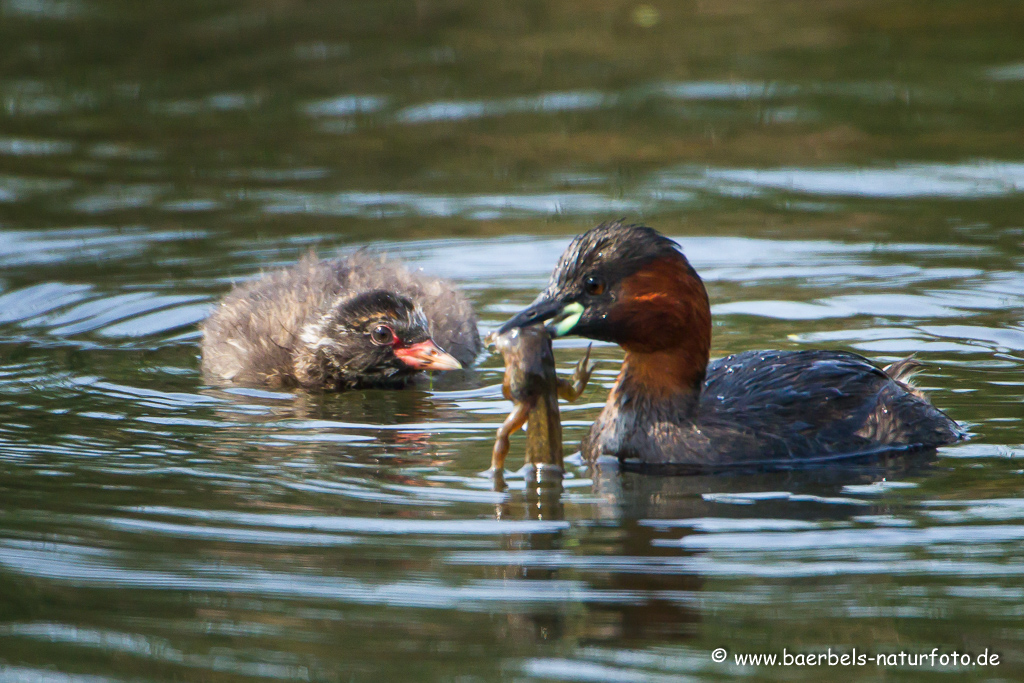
(368, 340)
(626, 284)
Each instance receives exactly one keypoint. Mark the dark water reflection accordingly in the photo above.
(844, 175)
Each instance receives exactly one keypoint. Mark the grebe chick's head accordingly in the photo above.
(626, 284)
(376, 338)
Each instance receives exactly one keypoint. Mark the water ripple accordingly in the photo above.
(480, 207)
(966, 181)
(34, 300)
(84, 566)
(365, 525)
(544, 103)
(74, 245)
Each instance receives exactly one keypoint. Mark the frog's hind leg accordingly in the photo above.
(570, 391)
(515, 420)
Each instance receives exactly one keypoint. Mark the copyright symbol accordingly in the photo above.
(719, 654)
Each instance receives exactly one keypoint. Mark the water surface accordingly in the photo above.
(848, 176)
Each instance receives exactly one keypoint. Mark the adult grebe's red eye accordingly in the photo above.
(593, 285)
(382, 335)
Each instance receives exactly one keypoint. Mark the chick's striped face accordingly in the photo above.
(382, 334)
(384, 319)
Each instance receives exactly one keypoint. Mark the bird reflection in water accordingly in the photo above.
(357, 427)
(638, 581)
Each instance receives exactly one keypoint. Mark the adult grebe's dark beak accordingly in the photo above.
(563, 316)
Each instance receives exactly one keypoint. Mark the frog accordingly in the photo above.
(533, 386)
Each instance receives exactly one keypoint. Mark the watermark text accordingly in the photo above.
(855, 657)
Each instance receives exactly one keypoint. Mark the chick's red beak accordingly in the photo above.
(427, 356)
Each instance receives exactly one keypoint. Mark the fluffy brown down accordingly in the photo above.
(254, 335)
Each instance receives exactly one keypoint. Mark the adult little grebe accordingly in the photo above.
(630, 285)
(356, 322)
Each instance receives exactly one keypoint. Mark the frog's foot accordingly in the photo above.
(515, 420)
(571, 391)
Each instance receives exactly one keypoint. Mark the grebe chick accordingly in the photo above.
(360, 321)
(669, 409)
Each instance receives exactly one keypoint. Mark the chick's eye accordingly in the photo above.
(593, 285)
(381, 335)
